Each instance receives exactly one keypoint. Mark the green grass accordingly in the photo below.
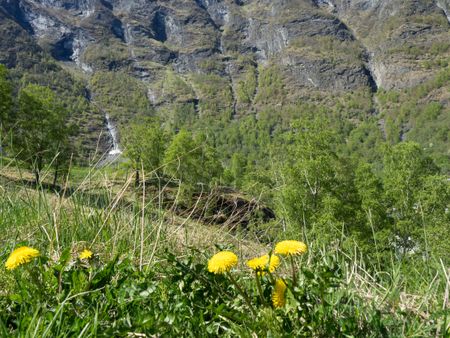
(148, 276)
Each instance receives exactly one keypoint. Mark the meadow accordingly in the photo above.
(116, 260)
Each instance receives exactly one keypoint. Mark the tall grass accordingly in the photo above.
(149, 277)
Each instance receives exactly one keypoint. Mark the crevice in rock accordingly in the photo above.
(201, 4)
(13, 10)
(371, 79)
(367, 56)
(196, 99)
(108, 140)
(151, 96)
(218, 12)
(128, 37)
(107, 4)
(158, 26)
(112, 131)
(117, 29)
(403, 132)
(62, 50)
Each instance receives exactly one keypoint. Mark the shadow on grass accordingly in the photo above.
(220, 206)
(100, 200)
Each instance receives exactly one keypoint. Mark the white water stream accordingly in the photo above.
(113, 134)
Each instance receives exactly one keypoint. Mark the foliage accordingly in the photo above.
(40, 130)
(85, 119)
(6, 98)
(364, 141)
(246, 86)
(121, 95)
(329, 48)
(178, 115)
(17, 47)
(144, 143)
(417, 114)
(341, 176)
(215, 96)
(107, 55)
(237, 169)
(94, 298)
(270, 86)
(324, 195)
(316, 179)
(191, 161)
(176, 88)
(141, 280)
(406, 180)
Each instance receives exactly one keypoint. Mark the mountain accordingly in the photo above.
(380, 60)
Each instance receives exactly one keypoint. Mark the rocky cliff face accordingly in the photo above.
(192, 52)
(295, 35)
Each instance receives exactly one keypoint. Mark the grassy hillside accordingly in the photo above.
(148, 274)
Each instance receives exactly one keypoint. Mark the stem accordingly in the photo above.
(19, 284)
(37, 281)
(60, 281)
(369, 212)
(141, 253)
(243, 294)
(272, 279)
(258, 285)
(136, 178)
(294, 274)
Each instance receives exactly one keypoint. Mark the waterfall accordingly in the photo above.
(113, 133)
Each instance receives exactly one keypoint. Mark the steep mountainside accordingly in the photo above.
(190, 59)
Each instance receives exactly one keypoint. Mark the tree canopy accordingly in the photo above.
(40, 128)
(144, 144)
(191, 160)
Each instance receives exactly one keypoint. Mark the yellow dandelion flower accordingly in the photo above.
(86, 254)
(279, 294)
(291, 248)
(264, 263)
(222, 262)
(20, 256)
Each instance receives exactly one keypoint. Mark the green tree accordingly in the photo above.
(237, 168)
(363, 140)
(406, 168)
(433, 204)
(6, 98)
(317, 192)
(64, 153)
(144, 143)
(40, 130)
(374, 234)
(192, 161)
